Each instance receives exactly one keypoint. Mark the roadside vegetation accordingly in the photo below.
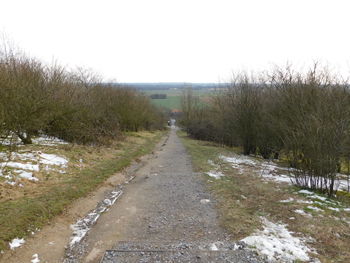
(301, 119)
(62, 134)
(74, 106)
(249, 191)
(27, 205)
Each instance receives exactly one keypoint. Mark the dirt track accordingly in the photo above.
(166, 206)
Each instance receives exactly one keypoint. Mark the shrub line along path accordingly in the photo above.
(165, 208)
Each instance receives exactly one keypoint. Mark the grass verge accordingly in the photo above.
(19, 217)
(243, 197)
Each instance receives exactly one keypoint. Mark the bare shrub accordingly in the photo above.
(74, 106)
(304, 117)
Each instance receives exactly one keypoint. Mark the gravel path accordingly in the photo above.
(166, 213)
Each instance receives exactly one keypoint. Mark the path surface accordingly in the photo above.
(165, 207)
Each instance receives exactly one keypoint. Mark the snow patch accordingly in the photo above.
(287, 200)
(278, 244)
(52, 159)
(82, 226)
(24, 166)
(35, 258)
(17, 242)
(215, 174)
(213, 247)
(334, 209)
(205, 201)
(315, 208)
(48, 141)
(26, 175)
(236, 161)
(281, 178)
(302, 212)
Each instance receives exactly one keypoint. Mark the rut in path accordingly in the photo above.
(165, 208)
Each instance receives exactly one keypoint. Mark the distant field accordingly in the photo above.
(173, 100)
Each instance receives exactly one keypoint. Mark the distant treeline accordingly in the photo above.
(158, 96)
(74, 106)
(301, 118)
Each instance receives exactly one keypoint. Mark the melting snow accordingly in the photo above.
(24, 170)
(205, 201)
(278, 244)
(17, 242)
(278, 178)
(35, 258)
(238, 160)
(302, 212)
(26, 175)
(213, 247)
(334, 209)
(269, 170)
(211, 163)
(215, 174)
(52, 159)
(315, 208)
(42, 140)
(48, 141)
(287, 200)
(24, 166)
(82, 226)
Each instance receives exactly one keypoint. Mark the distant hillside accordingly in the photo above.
(171, 92)
(172, 85)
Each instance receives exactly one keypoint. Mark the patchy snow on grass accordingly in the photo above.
(24, 166)
(215, 174)
(48, 141)
(27, 162)
(281, 178)
(35, 258)
(10, 140)
(26, 156)
(52, 159)
(236, 161)
(41, 140)
(210, 162)
(315, 208)
(26, 175)
(289, 200)
(313, 195)
(278, 244)
(11, 182)
(302, 212)
(17, 242)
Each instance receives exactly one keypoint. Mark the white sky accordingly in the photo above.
(180, 40)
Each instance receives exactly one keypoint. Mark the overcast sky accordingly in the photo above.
(180, 40)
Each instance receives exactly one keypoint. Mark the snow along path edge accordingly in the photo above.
(82, 227)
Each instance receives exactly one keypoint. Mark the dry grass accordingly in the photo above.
(24, 209)
(243, 198)
(89, 155)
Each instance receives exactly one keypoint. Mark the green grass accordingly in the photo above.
(19, 217)
(171, 102)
